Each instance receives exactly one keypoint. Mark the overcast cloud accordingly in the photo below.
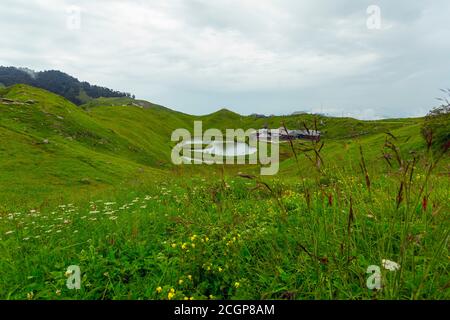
(272, 57)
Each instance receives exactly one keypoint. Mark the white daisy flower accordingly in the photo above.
(390, 265)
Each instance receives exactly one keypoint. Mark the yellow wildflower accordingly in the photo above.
(68, 273)
(159, 289)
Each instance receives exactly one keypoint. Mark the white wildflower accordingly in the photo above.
(390, 265)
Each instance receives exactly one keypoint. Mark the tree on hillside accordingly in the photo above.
(436, 127)
(57, 82)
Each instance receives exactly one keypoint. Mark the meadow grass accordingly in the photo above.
(231, 237)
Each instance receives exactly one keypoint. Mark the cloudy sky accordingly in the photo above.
(250, 56)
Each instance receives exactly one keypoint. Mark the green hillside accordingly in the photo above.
(109, 140)
(94, 186)
(48, 144)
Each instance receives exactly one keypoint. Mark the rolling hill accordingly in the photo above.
(93, 186)
(112, 141)
(58, 82)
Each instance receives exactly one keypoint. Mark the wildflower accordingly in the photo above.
(186, 298)
(424, 203)
(189, 277)
(171, 294)
(193, 245)
(220, 269)
(68, 273)
(58, 292)
(390, 265)
(184, 246)
(180, 281)
(237, 285)
(174, 245)
(194, 237)
(159, 289)
(9, 232)
(191, 298)
(30, 295)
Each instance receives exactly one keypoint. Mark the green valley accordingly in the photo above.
(94, 186)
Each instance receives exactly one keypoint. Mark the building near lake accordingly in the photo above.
(286, 134)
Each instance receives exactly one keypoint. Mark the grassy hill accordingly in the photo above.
(58, 82)
(94, 186)
(50, 146)
(109, 140)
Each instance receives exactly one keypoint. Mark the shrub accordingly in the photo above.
(436, 127)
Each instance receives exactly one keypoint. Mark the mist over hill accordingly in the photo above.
(58, 82)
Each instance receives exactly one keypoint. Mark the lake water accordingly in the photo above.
(217, 148)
